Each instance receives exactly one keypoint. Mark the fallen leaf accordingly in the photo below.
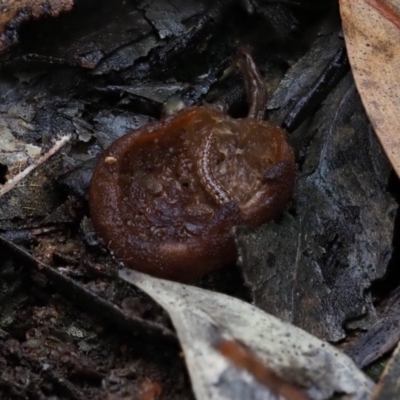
(234, 350)
(372, 34)
(15, 12)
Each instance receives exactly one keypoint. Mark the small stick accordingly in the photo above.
(18, 178)
(254, 84)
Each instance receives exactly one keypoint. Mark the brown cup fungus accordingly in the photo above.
(164, 198)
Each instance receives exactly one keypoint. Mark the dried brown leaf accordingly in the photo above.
(14, 12)
(372, 33)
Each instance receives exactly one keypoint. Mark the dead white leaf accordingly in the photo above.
(372, 32)
(232, 347)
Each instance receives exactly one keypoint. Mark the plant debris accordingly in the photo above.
(12, 182)
(381, 337)
(337, 237)
(374, 59)
(68, 327)
(14, 12)
(222, 338)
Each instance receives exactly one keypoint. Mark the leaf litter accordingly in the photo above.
(363, 300)
(15, 12)
(206, 321)
(372, 32)
(338, 233)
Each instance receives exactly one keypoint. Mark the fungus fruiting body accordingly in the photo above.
(164, 198)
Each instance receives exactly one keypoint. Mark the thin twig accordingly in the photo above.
(17, 178)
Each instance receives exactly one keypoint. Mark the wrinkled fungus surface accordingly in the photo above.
(165, 197)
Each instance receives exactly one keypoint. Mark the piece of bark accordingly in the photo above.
(381, 338)
(169, 17)
(388, 385)
(314, 266)
(304, 73)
